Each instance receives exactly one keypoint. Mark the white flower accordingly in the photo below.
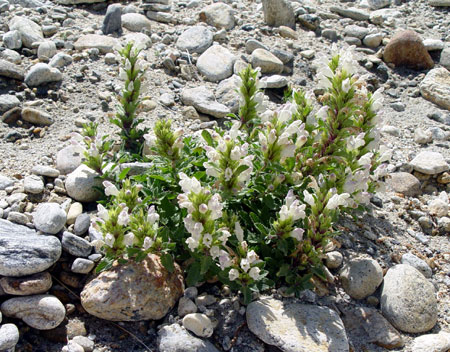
(129, 239)
(235, 153)
(216, 206)
(377, 99)
(189, 184)
(153, 216)
(346, 85)
(224, 237)
(254, 273)
(308, 198)
(98, 244)
(297, 233)
(233, 274)
(148, 242)
(207, 239)
(245, 265)
(322, 114)
(238, 231)
(292, 208)
(228, 174)
(347, 62)
(215, 252)
(224, 260)
(338, 200)
(102, 212)
(355, 142)
(109, 240)
(203, 208)
(184, 202)
(123, 218)
(252, 256)
(366, 159)
(290, 198)
(110, 189)
(385, 154)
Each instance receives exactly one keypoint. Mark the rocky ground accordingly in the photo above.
(389, 270)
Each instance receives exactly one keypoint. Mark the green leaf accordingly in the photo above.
(167, 261)
(240, 170)
(124, 173)
(205, 264)
(284, 270)
(247, 295)
(193, 276)
(104, 264)
(207, 137)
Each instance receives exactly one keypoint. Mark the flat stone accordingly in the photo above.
(43, 170)
(432, 342)
(11, 56)
(186, 306)
(429, 163)
(60, 60)
(175, 338)
(294, 327)
(159, 16)
(75, 245)
(274, 81)
(68, 159)
(9, 336)
(27, 285)
(10, 70)
(33, 184)
(351, 12)
(419, 264)
(356, 31)
(199, 324)
(42, 312)
(80, 184)
(195, 39)
(7, 102)
(405, 183)
(433, 44)
(36, 117)
(133, 291)
(216, 63)
(41, 73)
(268, 62)
(49, 218)
(361, 277)
(24, 252)
(408, 299)
(378, 4)
(82, 266)
(439, 2)
(435, 87)
(252, 44)
(203, 100)
(103, 43)
(136, 22)
(29, 30)
(219, 15)
(278, 13)
(406, 49)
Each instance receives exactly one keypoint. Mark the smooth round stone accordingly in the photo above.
(432, 342)
(36, 117)
(103, 43)
(419, 264)
(12, 40)
(33, 184)
(11, 56)
(27, 285)
(42, 312)
(10, 70)
(373, 40)
(82, 266)
(408, 299)
(361, 277)
(7, 102)
(49, 218)
(30, 31)
(68, 159)
(9, 336)
(429, 163)
(219, 15)
(46, 50)
(405, 183)
(333, 260)
(195, 39)
(74, 211)
(199, 324)
(216, 63)
(72, 347)
(5, 182)
(275, 81)
(81, 182)
(203, 100)
(82, 224)
(268, 62)
(186, 306)
(41, 74)
(86, 343)
(174, 337)
(136, 22)
(47, 171)
(75, 245)
(60, 60)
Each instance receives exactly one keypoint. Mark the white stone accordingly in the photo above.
(9, 336)
(41, 74)
(29, 30)
(435, 87)
(361, 277)
(268, 62)
(216, 63)
(81, 182)
(203, 100)
(429, 163)
(12, 40)
(49, 218)
(46, 50)
(195, 39)
(136, 22)
(432, 343)
(33, 184)
(219, 15)
(419, 264)
(199, 324)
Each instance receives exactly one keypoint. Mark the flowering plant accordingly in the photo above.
(252, 205)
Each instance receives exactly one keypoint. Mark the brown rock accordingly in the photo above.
(10, 70)
(27, 285)
(406, 49)
(404, 182)
(12, 115)
(133, 291)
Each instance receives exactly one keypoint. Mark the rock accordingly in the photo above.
(278, 13)
(36, 117)
(86, 343)
(373, 40)
(42, 312)
(333, 260)
(203, 100)
(356, 31)
(378, 4)
(361, 277)
(419, 264)
(385, 16)
(219, 15)
(27, 285)
(12, 40)
(433, 44)
(294, 327)
(195, 39)
(47, 171)
(429, 163)
(167, 99)
(309, 21)
(60, 60)
(46, 50)
(186, 306)
(33, 184)
(274, 81)
(226, 93)
(136, 22)
(7, 102)
(49, 218)
(133, 291)
(29, 30)
(439, 206)
(69, 158)
(439, 2)
(23, 252)
(435, 87)
(408, 299)
(268, 62)
(160, 16)
(351, 12)
(74, 211)
(12, 115)
(138, 39)
(422, 137)
(9, 336)
(406, 49)
(18, 218)
(433, 342)
(112, 23)
(216, 63)
(252, 44)
(76, 2)
(103, 43)
(5, 182)
(72, 347)
(330, 34)
(175, 338)
(199, 324)
(81, 182)
(11, 56)
(404, 182)
(10, 70)
(41, 74)
(82, 266)
(287, 32)
(75, 245)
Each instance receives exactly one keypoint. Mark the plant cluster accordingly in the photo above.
(252, 205)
